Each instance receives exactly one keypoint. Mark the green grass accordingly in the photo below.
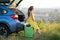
(49, 32)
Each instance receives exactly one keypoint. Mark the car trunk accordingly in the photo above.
(20, 14)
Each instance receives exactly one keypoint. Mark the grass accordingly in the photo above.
(50, 31)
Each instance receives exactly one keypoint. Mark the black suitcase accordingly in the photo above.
(4, 1)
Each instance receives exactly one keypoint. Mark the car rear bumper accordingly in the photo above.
(19, 27)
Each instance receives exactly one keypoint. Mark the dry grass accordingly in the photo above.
(50, 31)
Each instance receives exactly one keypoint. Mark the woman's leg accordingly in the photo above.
(36, 34)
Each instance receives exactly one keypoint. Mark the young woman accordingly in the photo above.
(31, 20)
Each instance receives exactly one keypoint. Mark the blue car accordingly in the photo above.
(8, 21)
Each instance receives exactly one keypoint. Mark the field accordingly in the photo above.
(49, 31)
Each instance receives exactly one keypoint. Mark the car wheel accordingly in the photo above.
(3, 30)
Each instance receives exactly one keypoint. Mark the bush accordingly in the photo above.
(40, 23)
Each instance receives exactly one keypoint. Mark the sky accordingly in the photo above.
(40, 3)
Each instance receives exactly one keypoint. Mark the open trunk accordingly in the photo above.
(21, 18)
(20, 14)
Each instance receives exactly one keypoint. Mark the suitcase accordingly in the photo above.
(28, 31)
(4, 1)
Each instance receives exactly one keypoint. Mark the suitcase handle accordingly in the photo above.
(28, 25)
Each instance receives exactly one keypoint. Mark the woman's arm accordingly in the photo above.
(33, 18)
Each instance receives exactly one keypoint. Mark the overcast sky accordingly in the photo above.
(40, 3)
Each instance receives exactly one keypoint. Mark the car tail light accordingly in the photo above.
(14, 16)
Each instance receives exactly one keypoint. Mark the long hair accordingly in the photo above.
(29, 10)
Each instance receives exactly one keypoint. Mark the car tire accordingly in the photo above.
(4, 31)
